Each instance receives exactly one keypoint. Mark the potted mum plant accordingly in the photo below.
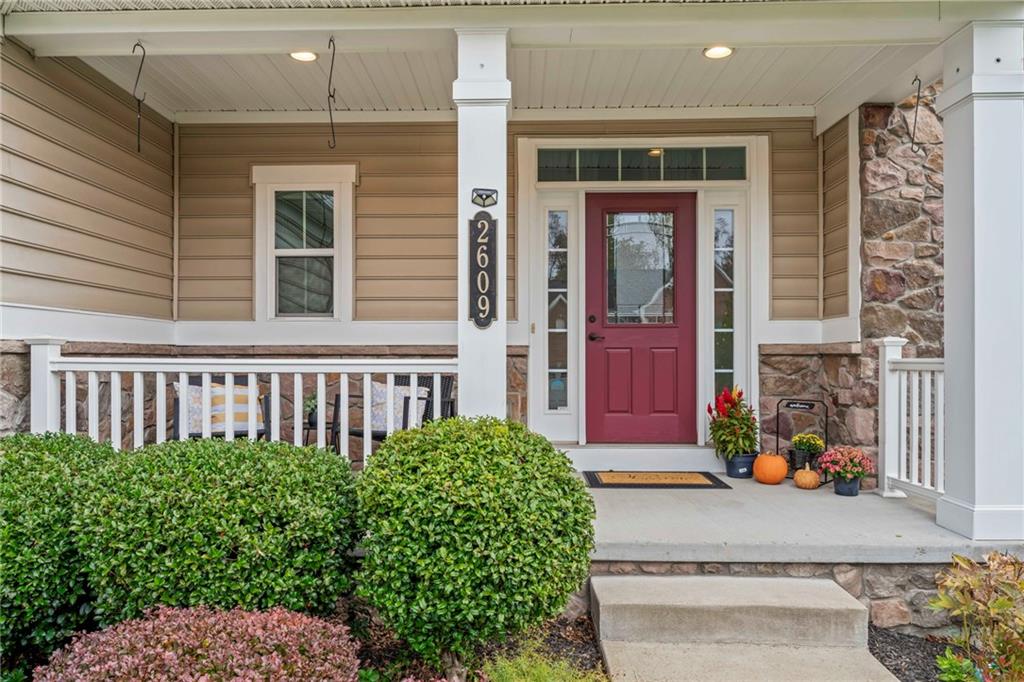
(734, 432)
(806, 447)
(848, 466)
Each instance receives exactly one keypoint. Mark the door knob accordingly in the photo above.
(595, 337)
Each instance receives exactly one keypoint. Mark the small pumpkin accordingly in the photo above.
(770, 468)
(806, 479)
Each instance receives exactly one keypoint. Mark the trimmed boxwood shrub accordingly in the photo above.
(239, 523)
(204, 644)
(476, 528)
(43, 592)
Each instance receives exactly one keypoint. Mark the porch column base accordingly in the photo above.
(980, 522)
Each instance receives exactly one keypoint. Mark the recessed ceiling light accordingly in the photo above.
(655, 152)
(304, 56)
(717, 52)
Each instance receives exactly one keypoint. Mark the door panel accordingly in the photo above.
(641, 318)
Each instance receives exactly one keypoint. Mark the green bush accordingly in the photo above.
(43, 593)
(215, 523)
(475, 529)
(530, 665)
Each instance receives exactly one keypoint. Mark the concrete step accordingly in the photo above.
(661, 662)
(727, 609)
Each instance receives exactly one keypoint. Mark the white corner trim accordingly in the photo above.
(847, 328)
(311, 174)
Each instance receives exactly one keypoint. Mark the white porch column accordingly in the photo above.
(481, 94)
(983, 109)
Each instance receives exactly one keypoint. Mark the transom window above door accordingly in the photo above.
(644, 164)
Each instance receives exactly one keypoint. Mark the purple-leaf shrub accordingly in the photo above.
(205, 644)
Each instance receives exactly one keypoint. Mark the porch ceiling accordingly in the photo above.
(568, 79)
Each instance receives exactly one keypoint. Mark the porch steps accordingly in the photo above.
(658, 629)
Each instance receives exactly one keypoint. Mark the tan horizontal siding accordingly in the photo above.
(87, 221)
(835, 219)
(406, 214)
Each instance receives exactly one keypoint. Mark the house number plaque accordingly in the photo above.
(483, 268)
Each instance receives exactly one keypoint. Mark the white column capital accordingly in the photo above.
(482, 68)
(983, 60)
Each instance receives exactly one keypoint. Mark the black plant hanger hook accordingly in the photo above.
(914, 146)
(331, 92)
(138, 100)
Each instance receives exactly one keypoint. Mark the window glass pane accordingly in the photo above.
(723, 310)
(684, 164)
(599, 164)
(288, 220)
(558, 390)
(723, 350)
(723, 380)
(638, 164)
(319, 220)
(723, 270)
(558, 226)
(726, 163)
(558, 266)
(305, 285)
(723, 228)
(556, 165)
(558, 310)
(640, 268)
(558, 351)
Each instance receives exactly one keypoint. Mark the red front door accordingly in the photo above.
(641, 325)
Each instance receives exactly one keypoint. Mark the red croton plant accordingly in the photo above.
(733, 427)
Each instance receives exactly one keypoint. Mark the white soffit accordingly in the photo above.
(542, 79)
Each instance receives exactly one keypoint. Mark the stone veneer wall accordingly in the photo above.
(14, 380)
(901, 280)
(896, 595)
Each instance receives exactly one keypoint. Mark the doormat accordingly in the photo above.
(653, 479)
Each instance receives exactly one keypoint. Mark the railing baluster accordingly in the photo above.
(70, 403)
(94, 406)
(343, 417)
(367, 416)
(389, 403)
(115, 410)
(903, 425)
(414, 400)
(229, 406)
(321, 410)
(915, 435)
(275, 407)
(297, 410)
(207, 399)
(253, 396)
(184, 407)
(138, 402)
(161, 407)
(436, 393)
(940, 435)
(926, 429)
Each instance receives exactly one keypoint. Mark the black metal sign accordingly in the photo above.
(799, 404)
(483, 269)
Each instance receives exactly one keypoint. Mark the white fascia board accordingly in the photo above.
(739, 24)
(449, 115)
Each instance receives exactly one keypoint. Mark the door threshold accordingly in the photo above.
(640, 457)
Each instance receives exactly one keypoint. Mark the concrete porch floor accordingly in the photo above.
(754, 523)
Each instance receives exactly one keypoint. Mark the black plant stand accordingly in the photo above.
(802, 405)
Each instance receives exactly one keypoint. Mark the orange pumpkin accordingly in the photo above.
(806, 479)
(770, 468)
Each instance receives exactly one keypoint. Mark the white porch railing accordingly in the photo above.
(55, 390)
(911, 414)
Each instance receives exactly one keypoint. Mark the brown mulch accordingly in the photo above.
(574, 641)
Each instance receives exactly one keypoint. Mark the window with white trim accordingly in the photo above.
(303, 241)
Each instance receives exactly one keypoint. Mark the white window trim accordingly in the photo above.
(337, 178)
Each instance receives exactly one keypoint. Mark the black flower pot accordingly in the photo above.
(740, 466)
(311, 418)
(848, 487)
(800, 458)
